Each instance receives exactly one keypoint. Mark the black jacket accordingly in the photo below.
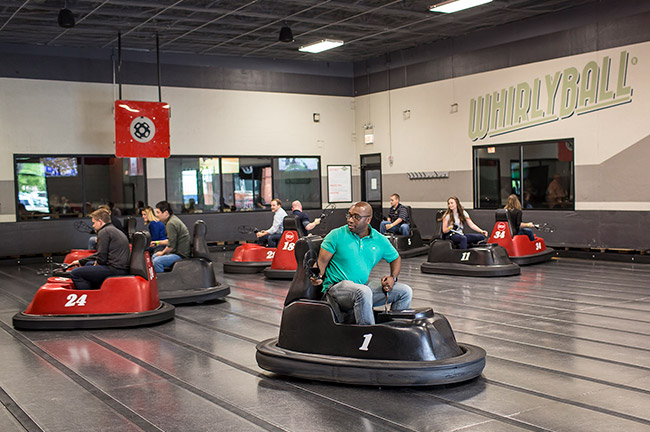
(112, 249)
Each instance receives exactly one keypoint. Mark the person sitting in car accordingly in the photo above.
(398, 218)
(347, 256)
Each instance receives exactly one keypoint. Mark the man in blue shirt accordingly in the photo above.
(348, 254)
(296, 209)
(398, 218)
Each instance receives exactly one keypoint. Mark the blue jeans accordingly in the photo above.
(463, 240)
(270, 240)
(402, 229)
(91, 276)
(528, 232)
(92, 242)
(362, 298)
(161, 262)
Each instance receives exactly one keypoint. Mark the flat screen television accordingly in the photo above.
(60, 166)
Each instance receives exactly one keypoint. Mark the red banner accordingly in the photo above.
(141, 129)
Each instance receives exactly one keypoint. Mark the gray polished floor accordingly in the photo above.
(568, 346)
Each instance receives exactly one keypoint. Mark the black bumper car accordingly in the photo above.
(122, 301)
(520, 248)
(413, 347)
(192, 280)
(412, 244)
(485, 260)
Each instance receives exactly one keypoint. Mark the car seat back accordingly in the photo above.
(199, 242)
(502, 215)
(411, 222)
(437, 225)
(138, 264)
(306, 250)
(130, 225)
(292, 222)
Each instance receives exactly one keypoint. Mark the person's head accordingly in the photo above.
(276, 205)
(359, 217)
(100, 217)
(192, 202)
(513, 203)
(164, 211)
(394, 200)
(454, 206)
(296, 205)
(104, 207)
(148, 215)
(111, 205)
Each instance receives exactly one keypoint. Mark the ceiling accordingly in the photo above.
(250, 28)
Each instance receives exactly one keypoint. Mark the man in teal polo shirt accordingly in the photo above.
(348, 254)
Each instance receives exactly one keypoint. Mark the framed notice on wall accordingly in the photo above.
(339, 183)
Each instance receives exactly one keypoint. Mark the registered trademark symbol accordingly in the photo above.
(634, 60)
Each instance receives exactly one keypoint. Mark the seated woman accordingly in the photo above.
(156, 229)
(514, 208)
(453, 222)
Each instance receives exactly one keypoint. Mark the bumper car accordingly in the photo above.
(520, 249)
(414, 347)
(249, 257)
(192, 280)
(284, 264)
(410, 245)
(122, 301)
(485, 260)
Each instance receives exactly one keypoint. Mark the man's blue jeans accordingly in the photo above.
(160, 263)
(362, 298)
(402, 229)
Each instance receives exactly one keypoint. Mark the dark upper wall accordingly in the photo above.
(209, 72)
(575, 31)
(579, 30)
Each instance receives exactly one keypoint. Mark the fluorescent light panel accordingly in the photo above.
(456, 5)
(321, 46)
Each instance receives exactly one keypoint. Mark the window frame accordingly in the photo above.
(82, 173)
(273, 159)
(521, 145)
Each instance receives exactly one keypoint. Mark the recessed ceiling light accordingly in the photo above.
(452, 6)
(321, 46)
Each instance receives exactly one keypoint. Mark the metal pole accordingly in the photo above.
(158, 63)
(119, 63)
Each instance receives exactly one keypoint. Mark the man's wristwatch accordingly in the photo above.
(394, 278)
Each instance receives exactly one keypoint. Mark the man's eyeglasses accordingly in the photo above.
(356, 217)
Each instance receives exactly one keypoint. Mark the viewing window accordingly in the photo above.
(541, 174)
(226, 184)
(53, 187)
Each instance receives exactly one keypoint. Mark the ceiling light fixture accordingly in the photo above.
(66, 18)
(451, 6)
(286, 35)
(321, 46)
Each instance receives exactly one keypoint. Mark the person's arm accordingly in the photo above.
(310, 226)
(324, 258)
(103, 243)
(277, 223)
(388, 281)
(446, 225)
(475, 227)
(170, 243)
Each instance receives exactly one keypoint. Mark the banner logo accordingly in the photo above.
(554, 97)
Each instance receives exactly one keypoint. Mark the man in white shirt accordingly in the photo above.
(271, 236)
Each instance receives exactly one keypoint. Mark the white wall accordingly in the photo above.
(435, 139)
